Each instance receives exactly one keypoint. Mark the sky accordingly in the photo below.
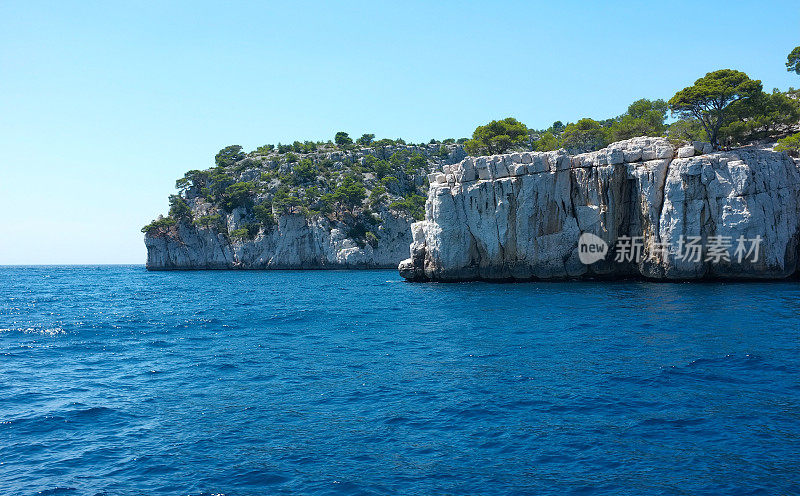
(103, 105)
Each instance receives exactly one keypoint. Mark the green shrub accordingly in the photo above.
(245, 233)
(643, 118)
(193, 179)
(219, 181)
(265, 149)
(326, 203)
(586, 135)
(381, 168)
(358, 233)
(312, 195)
(159, 227)
(304, 172)
(497, 137)
(263, 214)
(350, 193)
(284, 200)
(252, 229)
(762, 116)
(178, 209)
(213, 220)
(546, 142)
(238, 195)
(240, 234)
(229, 156)
(325, 165)
(413, 204)
(377, 196)
(790, 145)
(342, 139)
(417, 162)
(365, 139)
(684, 130)
(371, 217)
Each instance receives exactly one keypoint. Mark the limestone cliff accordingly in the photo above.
(296, 242)
(661, 214)
(331, 208)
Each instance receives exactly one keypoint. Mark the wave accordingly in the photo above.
(77, 417)
(47, 331)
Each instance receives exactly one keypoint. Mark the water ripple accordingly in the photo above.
(116, 381)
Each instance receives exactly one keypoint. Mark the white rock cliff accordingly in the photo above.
(663, 214)
(295, 243)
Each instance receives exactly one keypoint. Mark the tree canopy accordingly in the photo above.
(789, 144)
(686, 129)
(547, 142)
(350, 193)
(303, 172)
(762, 116)
(192, 179)
(497, 137)
(229, 156)
(643, 118)
(238, 195)
(793, 61)
(159, 227)
(343, 139)
(584, 135)
(708, 100)
(366, 139)
(178, 209)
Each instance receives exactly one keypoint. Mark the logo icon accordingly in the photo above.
(591, 248)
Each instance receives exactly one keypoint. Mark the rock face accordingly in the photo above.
(657, 213)
(295, 243)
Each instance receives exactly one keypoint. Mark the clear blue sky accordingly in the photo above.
(103, 106)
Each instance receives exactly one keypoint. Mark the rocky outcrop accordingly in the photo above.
(257, 213)
(294, 243)
(638, 208)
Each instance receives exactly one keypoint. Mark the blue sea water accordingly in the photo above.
(119, 381)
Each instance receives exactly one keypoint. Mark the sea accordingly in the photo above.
(119, 381)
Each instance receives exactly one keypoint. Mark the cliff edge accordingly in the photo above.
(638, 208)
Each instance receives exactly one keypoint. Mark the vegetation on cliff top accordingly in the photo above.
(724, 107)
(346, 181)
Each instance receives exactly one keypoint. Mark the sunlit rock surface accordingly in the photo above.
(296, 243)
(520, 216)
